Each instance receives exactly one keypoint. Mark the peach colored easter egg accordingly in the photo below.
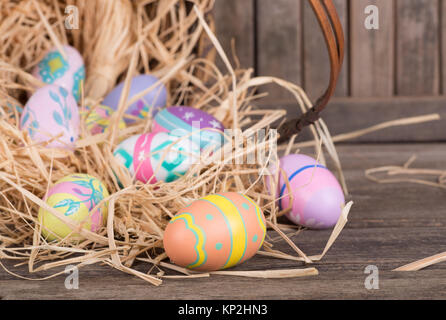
(215, 232)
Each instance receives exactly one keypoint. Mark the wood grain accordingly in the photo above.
(418, 45)
(235, 20)
(389, 226)
(372, 51)
(443, 46)
(346, 114)
(316, 62)
(279, 43)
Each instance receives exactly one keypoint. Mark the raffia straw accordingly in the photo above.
(158, 37)
(270, 274)
(424, 263)
(404, 174)
(50, 31)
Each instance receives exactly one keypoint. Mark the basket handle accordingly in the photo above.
(334, 38)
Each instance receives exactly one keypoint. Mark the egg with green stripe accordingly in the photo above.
(215, 232)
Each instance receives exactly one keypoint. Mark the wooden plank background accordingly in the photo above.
(405, 58)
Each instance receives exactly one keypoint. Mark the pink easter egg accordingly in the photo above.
(52, 111)
(317, 197)
(67, 73)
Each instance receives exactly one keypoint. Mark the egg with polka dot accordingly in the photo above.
(51, 116)
(201, 127)
(74, 196)
(215, 232)
(314, 194)
(66, 72)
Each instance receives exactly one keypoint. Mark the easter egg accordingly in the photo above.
(157, 156)
(98, 120)
(317, 197)
(54, 69)
(74, 196)
(51, 111)
(215, 232)
(151, 102)
(203, 128)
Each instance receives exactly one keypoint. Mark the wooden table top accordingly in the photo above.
(390, 225)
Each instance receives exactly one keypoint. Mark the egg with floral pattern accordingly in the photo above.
(154, 157)
(51, 115)
(74, 196)
(215, 232)
(201, 127)
(67, 73)
(147, 104)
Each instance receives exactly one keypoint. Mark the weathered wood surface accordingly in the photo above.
(279, 43)
(282, 38)
(389, 226)
(372, 51)
(235, 21)
(418, 43)
(344, 115)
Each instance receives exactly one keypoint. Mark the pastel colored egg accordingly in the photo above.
(52, 111)
(317, 197)
(151, 102)
(216, 232)
(182, 120)
(157, 156)
(74, 196)
(98, 120)
(54, 69)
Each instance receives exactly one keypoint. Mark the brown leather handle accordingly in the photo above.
(334, 38)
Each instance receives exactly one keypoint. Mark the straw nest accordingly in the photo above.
(118, 39)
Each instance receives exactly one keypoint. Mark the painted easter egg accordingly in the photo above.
(215, 232)
(157, 156)
(54, 69)
(52, 111)
(203, 128)
(74, 196)
(317, 196)
(151, 102)
(98, 120)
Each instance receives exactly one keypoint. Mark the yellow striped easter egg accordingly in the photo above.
(215, 232)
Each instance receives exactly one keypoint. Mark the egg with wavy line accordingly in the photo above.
(215, 232)
(74, 196)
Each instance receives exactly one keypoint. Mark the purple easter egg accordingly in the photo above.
(54, 69)
(151, 102)
(182, 120)
(317, 197)
(52, 111)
